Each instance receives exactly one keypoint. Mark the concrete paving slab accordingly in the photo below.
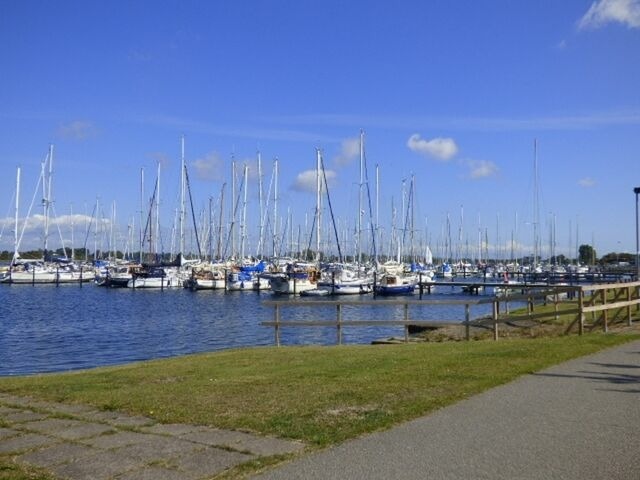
(8, 398)
(243, 442)
(119, 419)
(7, 433)
(25, 442)
(4, 410)
(154, 473)
(210, 462)
(72, 409)
(101, 466)
(157, 448)
(68, 429)
(86, 430)
(173, 429)
(23, 416)
(57, 454)
(28, 402)
(118, 439)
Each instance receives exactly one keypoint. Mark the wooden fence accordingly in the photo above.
(580, 300)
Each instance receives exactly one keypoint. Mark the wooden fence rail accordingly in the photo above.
(589, 299)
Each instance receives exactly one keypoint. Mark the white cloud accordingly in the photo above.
(440, 148)
(350, 149)
(210, 167)
(306, 181)
(603, 12)
(77, 130)
(481, 168)
(586, 182)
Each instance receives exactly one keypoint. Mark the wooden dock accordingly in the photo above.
(620, 298)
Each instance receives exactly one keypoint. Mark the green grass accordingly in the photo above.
(320, 395)
(13, 471)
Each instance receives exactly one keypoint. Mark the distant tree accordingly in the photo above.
(587, 254)
(616, 257)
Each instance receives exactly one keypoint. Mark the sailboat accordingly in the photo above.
(42, 271)
(300, 277)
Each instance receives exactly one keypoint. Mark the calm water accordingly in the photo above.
(47, 328)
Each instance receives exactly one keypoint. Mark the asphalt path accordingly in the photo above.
(578, 420)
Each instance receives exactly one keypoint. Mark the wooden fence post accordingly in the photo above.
(605, 313)
(628, 289)
(467, 318)
(277, 325)
(406, 326)
(495, 319)
(339, 322)
(581, 312)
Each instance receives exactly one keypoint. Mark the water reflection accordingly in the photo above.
(48, 328)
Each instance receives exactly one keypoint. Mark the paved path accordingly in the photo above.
(579, 420)
(80, 443)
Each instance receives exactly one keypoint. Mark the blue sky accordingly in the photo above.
(453, 93)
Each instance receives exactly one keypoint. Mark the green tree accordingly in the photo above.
(587, 254)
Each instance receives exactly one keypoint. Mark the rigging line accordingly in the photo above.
(33, 200)
(406, 218)
(147, 227)
(13, 197)
(313, 227)
(333, 220)
(265, 216)
(193, 215)
(235, 212)
(64, 250)
(371, 224)
(86, 237)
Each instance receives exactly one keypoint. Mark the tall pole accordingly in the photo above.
(318, 187)
(182, 196)
(359, 251)
(536, 206)
(261, 201)
(275, 206)
(141, 243)
(243, 227)
(16, 238)
(637, 192)
(157, 239)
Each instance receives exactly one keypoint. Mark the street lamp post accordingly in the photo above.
(636, 190)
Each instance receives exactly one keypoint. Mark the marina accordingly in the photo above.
(47, 328)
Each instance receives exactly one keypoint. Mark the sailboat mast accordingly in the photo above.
(46, 198)
(233, 207)
(220, 222)
(95, 231)
(157, 239)
(536, 206)
(210, 230)
(182, 196)
(261, 201)
(141, 239)
(16, 238)
(318, 198)
(359, 251)
(275, 205)
(243, 227)
(73, 256)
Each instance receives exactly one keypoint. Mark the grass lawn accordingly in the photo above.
(320, 395)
